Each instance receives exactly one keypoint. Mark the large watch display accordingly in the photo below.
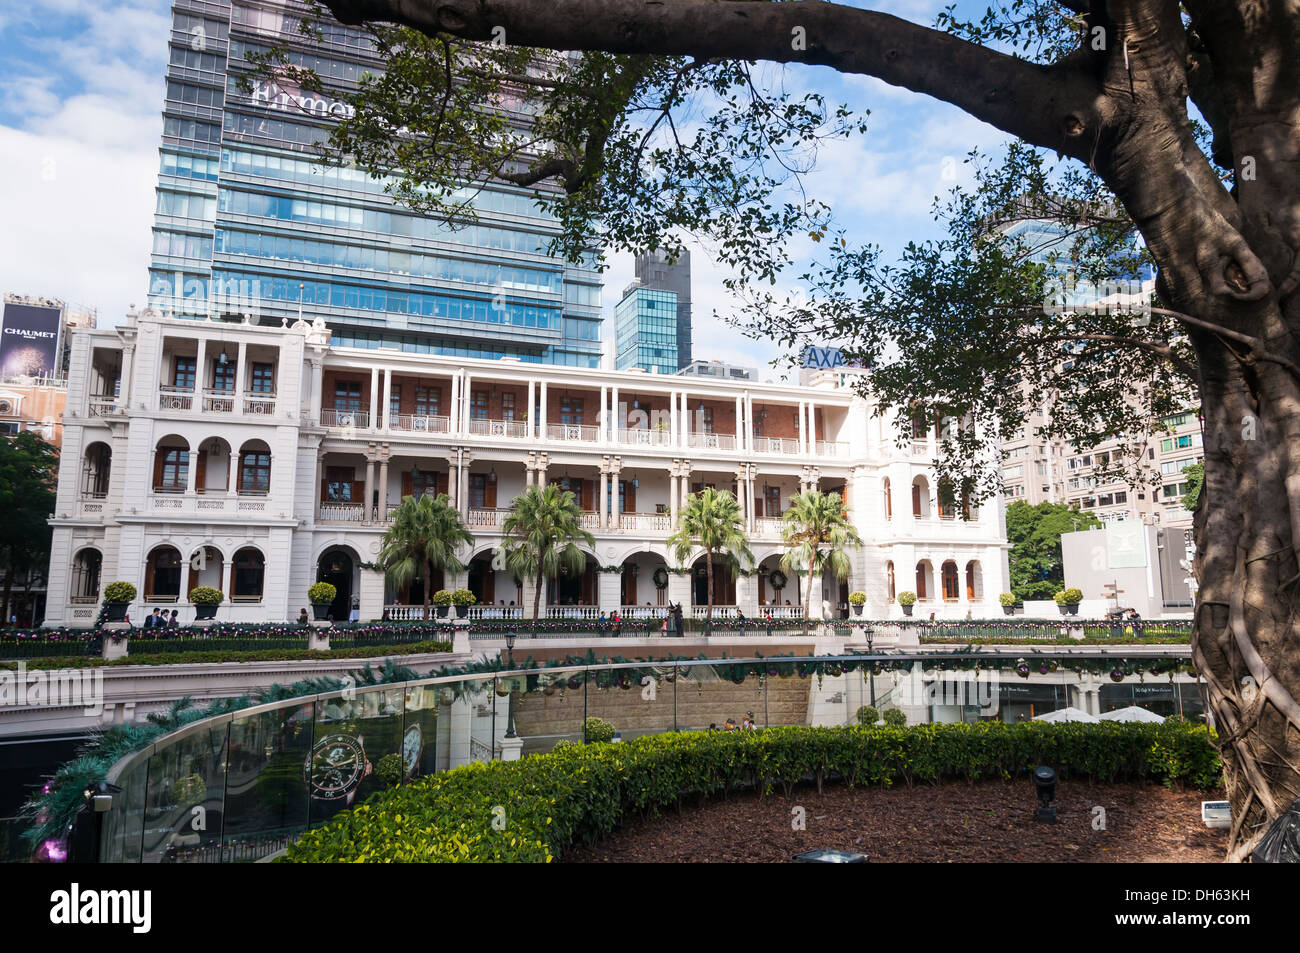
(412, 745)
(335, 767)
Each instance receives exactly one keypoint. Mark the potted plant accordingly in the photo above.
(1067, 600)
(462, 599)
(907, 599)
(321, 596)
(442, 599)
(1008, 600)
(118, 596)
(857, 600)
(205, 599)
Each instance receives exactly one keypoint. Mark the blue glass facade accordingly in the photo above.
(246, 221)
(645, 325)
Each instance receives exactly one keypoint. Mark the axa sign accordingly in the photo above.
(823, 358)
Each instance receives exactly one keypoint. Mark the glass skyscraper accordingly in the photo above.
(654, 271)
(645, 325)
(247, 221)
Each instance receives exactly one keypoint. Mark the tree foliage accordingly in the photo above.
(543, 535)
(426, 534)
(28, 471)
(711, 520)
(1034, 532)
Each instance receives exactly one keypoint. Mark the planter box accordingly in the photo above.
(205, 612)
(441, 611)
(907, 610)
(1008, 610)
(461, 611)
(117, 611)
(321, 610)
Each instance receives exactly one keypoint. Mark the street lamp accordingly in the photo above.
(510, 664)
(871, 637)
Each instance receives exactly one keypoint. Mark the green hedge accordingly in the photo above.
(578, 794)
(217, 655)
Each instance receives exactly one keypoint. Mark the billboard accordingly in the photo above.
(29, 340)
(823, 358)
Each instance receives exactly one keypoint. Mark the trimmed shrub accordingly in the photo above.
(119, 592)
(206, 596)
(320, 593)
(1069, 597)
(868, 715)
(463, 597)
(442, 597)
(1007, 598)
(857, 598)
(577, 794)
(895, 717)
(597, 730)
(907, 598)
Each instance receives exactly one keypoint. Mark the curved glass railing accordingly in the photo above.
(241, 786)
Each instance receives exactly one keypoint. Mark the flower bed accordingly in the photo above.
(577, 794)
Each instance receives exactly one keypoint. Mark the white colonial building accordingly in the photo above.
(260, 459)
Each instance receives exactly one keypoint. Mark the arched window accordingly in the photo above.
(254, 469)
(171, 472)
(85, 575)
(889, 500)
(162, 578)
(248, 575)
(950, 580)
(889, 567)
(920, 498)
(922, 573)
(973, 581)
(95, 471)
(946, 508)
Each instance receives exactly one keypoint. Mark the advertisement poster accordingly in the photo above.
(29, 341)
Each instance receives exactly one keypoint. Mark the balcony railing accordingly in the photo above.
(573, 612)
(259, 404)
(418, 423)
(788, 445)
(573, 432)
(486, 516)
(711, 441)
(767, 528)
(219, 402)
(831, 448)
(175, 398)
(101, 405)
(645, 438)
(921, 448)
(496, 612)
(590, 521)
(498, 428)
(344, 419)
(343, 512)
(645, 523)
(642, 612)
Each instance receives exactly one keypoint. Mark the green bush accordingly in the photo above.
(463, 597)
(597, 730)
(206, 596)
(895, 717)
(1069, 597)
(1007, 598)
(389, 770)
(566, 743)
(906, 598)
(119, 592)
(857, 598)
(321, 593)
(868, 715)
(578, 794)
(442, 597)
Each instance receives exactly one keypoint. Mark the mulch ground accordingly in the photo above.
(991, 821)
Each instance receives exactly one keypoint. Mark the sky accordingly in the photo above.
(81, 95)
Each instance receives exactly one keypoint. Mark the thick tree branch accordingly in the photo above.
(1053, 107)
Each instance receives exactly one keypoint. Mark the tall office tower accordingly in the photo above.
(248, 222)
(654, 272)
(645, 325)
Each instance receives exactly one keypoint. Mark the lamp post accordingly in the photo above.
(510, 664)
(871, 638)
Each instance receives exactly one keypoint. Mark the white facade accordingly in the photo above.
(257, 459)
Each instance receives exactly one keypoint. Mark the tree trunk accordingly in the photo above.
(428, 587)
(708, 577)
(537, 598)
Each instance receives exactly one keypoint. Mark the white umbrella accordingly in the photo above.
(1131, 713)
(1068, 714)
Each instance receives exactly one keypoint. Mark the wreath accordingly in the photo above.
(661, 578)
(777, 579)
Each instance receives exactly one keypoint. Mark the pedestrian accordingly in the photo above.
(303, 618)
(385, 617)
(175, 620)
(355, 614)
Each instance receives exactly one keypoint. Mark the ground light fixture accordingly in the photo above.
(821, 856)
(1045, 782)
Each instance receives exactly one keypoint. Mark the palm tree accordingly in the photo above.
(817, 533)
(711, 520)
(543, 532)
(425, 535)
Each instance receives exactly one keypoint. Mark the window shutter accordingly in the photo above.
(489, 587)
(200, 471)
(585, 495)
(489, 495)
(441, 483)
(408, 486)
(916, 499)
(239, 476)
(920, 582)
(324, 490)
(159, 455)
(629, 498)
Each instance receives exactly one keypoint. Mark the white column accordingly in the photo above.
(317, 384)
(193, 467)
(614, 471)
(388, 397)
(812, 427)
(616, 422)
(199, 376)
(320, 468)
(453, 482)
(542, 416)
(241, 372)
(366, 501)
(604, 496)
(464, 487)
(740, 486)
(124, 384)
(453, 407)
(466, 394)
(603, 422)
(672, 492)
(532, 418)
(383, 489)
(740, 423)
(684, 430)
(375, 408)
(225, 577)
(672, 419)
